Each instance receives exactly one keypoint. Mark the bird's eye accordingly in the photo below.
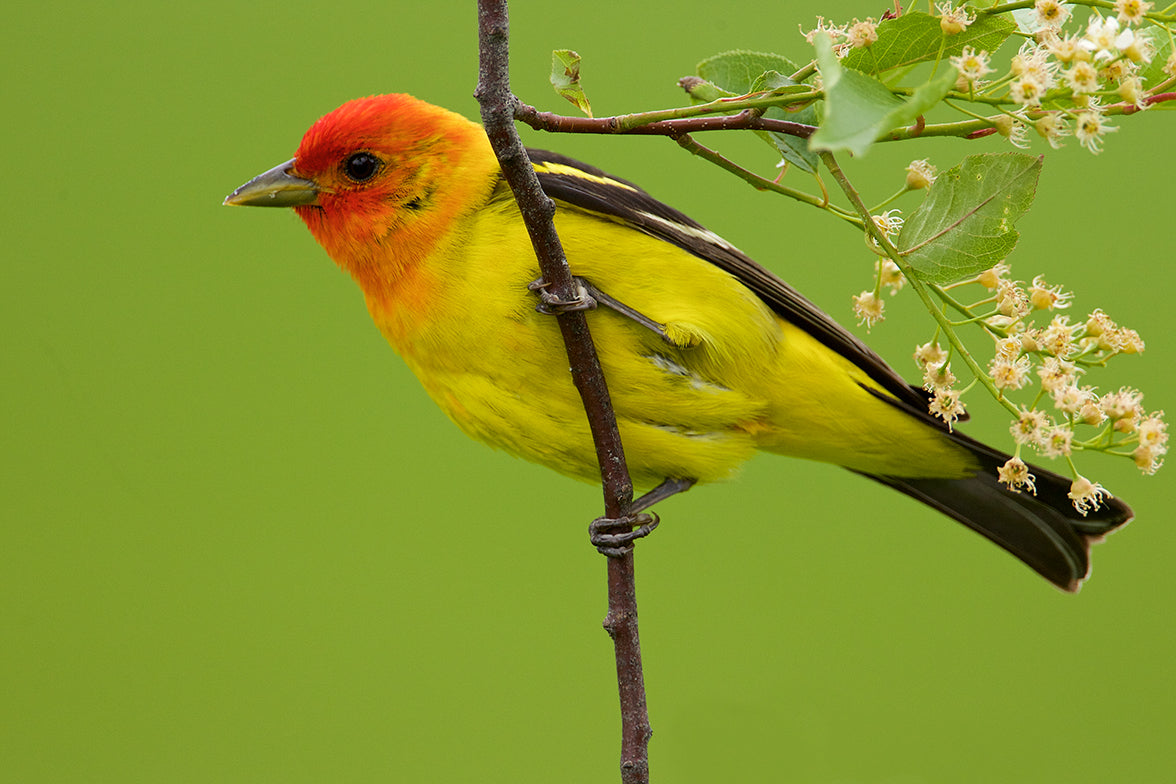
(362, 166)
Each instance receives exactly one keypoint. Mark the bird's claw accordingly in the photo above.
(588, 297)
(614, 536)
(551, 305)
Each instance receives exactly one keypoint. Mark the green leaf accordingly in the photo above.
(916, 38)
(742, 72)
(860, 109)
(965, 223)
(736, 71)
(565, 78)
(774, 81)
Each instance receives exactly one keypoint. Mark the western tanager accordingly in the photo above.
(709, 357)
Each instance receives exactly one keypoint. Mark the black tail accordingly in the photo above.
(1043, 530)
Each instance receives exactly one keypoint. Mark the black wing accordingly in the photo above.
(588, 188)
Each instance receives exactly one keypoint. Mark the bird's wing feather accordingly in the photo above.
(588, 188)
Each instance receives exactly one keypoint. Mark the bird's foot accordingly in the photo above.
(614, 536)
(551, 305)
(588, 297)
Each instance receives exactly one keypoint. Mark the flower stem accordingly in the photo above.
(921, 288)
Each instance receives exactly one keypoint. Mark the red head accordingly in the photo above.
(379, 181)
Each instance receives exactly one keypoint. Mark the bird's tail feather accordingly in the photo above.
(1044, 529)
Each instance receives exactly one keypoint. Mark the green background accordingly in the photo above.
(240, 545)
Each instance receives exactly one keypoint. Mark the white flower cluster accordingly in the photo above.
(1051, 357)
(1063, 83)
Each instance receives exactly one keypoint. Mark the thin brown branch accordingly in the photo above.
(744, 121)
(498, 106)
(621, 625)
(497, 103)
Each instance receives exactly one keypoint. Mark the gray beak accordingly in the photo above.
(275, 188)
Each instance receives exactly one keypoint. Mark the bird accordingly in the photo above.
(709, 356)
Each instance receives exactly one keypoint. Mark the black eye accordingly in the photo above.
(362, 166)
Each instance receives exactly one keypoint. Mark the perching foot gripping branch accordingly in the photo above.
(588, 297)
(614, 537)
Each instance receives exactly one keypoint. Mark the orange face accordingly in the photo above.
(389, 172)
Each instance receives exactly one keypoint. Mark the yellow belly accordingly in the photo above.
(747, 381)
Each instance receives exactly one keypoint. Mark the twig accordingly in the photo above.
(916, 283)
(746, 120)
(498, 106)
(758, 182)
(756, 102)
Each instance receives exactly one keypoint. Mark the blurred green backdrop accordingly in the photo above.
(240, 545)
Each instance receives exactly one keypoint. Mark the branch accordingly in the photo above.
(498, 106)
(762, 183)
(747, 120)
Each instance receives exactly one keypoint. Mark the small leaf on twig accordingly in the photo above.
(860, 109)
(565, 78)
(736, 71)
(965, 223)
(741, 72)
